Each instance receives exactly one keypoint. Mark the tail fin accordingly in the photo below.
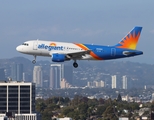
(131, 39)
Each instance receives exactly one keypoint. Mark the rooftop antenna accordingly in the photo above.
(9, 79)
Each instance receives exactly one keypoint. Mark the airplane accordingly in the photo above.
(63, 51)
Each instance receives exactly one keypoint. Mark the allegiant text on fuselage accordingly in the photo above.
(49, 48)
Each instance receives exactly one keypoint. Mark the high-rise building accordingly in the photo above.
(96, 84)
(14, 71)
(114, 81)
(28, 77)
(59, 72)
(37, 76)
(55, 76)
(18, 99)
(67, 73)
(124, 82)
(102, 83)
(152, 97)
(46, 83)
(2, 74)
(24, 77)
(89, 84)
(64, 84)
(17, 72)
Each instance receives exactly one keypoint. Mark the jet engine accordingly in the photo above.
(58, 57)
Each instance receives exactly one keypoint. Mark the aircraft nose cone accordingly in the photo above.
(17, 48)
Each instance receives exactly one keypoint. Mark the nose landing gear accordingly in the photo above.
(34, 61)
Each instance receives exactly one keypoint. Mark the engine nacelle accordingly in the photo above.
(58, 57)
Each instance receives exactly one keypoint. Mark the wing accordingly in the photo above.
(73, 55)
(76, 55)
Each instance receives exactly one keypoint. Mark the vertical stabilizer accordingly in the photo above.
(131, 39)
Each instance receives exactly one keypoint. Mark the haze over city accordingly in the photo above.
(96, 22)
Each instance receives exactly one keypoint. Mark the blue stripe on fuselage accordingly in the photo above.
(103, 52)
(111, 52)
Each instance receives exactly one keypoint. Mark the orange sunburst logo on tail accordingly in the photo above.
(130, 41)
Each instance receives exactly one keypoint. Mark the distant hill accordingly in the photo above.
(26, 62)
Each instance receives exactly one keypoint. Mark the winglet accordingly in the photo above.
(131, 39)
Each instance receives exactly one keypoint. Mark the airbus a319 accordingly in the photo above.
(63, 51)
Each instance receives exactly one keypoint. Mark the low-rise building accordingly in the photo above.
(17, 100)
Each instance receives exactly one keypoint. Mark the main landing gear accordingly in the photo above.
(34, 61)
(75, 64)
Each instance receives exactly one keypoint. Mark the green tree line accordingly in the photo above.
(83, 108)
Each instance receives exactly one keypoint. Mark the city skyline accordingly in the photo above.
(87, 72)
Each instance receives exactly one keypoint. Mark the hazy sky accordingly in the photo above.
(87, 21)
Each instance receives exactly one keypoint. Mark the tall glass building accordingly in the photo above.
(114, 81)
(37, 76)
(55, 76)
(17, 72)
(58, 72)
(124, 82)
(2, 74)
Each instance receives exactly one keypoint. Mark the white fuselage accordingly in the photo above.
(47, 48)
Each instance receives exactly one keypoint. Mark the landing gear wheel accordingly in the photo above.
(75, 64)
(34, 61)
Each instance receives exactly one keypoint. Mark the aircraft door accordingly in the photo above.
(113, 51)
(35, 45)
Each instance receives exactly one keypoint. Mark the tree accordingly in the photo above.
(66, 100)
(40, 107)
(100, 110)
(110, 113)
(101, 101)
(67, 110)
(47, 114)
(119, 99)
(83, 107)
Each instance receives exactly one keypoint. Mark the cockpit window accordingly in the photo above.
(25, 44)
